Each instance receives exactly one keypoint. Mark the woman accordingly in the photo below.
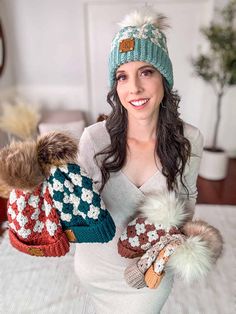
(143, 146)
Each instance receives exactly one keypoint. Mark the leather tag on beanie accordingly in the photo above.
(126, 45)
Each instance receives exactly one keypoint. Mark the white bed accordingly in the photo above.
(48, 285)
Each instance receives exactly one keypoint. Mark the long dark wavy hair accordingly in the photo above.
(173, 148)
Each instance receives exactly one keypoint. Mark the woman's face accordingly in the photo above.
(140, 89)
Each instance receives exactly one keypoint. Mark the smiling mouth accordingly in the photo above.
(139, 102)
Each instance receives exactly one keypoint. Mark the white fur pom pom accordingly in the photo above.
(192, 260)
(143, 16)
(164, 208)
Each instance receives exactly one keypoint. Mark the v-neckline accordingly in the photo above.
(141, 186)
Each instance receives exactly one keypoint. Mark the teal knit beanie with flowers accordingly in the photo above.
(141, 38)
(83, 215)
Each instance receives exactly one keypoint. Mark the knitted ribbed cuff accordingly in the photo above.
(58, 248)
(126, 252)
(101, 231)
(134, 277)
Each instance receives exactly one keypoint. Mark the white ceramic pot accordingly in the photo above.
(214, 165)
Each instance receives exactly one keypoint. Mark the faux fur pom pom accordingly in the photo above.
(19, 167)
(146, 15)
(56, 149)
(196, 256)
(24, 165)
(163, 208)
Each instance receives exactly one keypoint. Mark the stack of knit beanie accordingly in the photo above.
(60, 206)
(190, 251)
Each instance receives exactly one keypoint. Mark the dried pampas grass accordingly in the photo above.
(19, 119)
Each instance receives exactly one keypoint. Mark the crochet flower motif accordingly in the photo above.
(152, 235)
(93, 212)
(140, 228)
(47, 207)
(76, 179)
(87, 195)
(57, 185)
(24, 233)
(12, 197)
(124, 236)
(74, 200)
(159, 265)
(146, 246)
(53, 170)
(158, 226)
(11, 212)
(66, 217)
(51, 227)
(38, 227)
(77, 212)
(33, 201)
(35, 214)
(22, 220)
(83, 173)
(69, 186)
(134, 241)
(12, 226)
(58, 205)
(64, 168)
(66, 198)
(20, 202)
(50, 189)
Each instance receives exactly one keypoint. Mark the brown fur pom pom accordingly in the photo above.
(207, 233)
(24, 165)
(56, 149)
(19, 166)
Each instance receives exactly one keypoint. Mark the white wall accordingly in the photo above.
(57, 56)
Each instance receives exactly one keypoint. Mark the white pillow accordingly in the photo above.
(75, 128)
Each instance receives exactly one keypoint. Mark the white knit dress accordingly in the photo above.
(99, 267)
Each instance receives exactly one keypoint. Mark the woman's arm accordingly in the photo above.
(86, 154)
(191, 171)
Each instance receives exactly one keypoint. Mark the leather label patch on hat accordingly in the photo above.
(35, 251)
(126, 45)
(70, 235)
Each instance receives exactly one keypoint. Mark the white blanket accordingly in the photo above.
(49, 285)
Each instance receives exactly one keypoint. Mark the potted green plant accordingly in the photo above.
(218, 68)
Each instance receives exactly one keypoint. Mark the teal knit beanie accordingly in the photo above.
(141, 38)
(83, 215)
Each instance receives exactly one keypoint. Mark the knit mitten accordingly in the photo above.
(155, 272)
(135, 272)
(34, 225)
(190, 255)
(158, 215)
